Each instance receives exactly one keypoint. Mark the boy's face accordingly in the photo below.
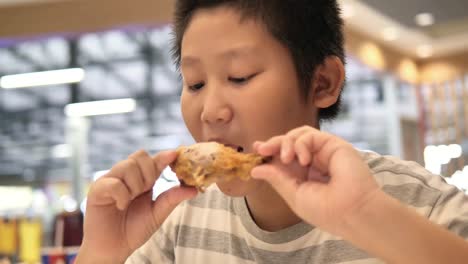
(240, 85)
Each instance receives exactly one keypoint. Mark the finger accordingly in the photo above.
(324, 147)
(303, 148)
(130, 174)
(109, 190)
(287, 150)
(296, 133)
(256, 144)
(317, 147)
(147, 168)
(162, 160)
(168, 200)
(285, 185)
(133, 178)
(270, 147)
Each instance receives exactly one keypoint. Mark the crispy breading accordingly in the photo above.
(202, 164)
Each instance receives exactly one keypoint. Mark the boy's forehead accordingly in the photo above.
(228, 53)
(220, 32)
(229, 22)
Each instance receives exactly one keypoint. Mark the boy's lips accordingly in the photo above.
(227, 144)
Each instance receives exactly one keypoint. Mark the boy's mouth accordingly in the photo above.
(237, 148)
(229, 145)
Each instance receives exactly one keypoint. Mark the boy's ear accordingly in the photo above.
(327, 82)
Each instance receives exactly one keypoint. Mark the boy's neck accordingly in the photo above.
(269, 211)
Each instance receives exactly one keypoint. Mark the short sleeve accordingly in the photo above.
(451, 210)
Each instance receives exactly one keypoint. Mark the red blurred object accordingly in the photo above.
(68, 231)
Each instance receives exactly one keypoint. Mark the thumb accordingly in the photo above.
(285, 184)
(168, 201)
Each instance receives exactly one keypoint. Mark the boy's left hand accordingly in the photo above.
(336, 184)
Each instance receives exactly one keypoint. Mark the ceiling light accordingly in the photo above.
(424, 19)
(73, 75)
(61, 151)
(390, 34)
(424, 51)
(347, 11)
(100, 107)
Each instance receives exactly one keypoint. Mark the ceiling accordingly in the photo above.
(404, 11)
(22, 2)
(448, 34)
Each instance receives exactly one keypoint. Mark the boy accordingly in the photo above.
(261, 75)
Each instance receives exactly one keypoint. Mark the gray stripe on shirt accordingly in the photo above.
(331, 251)
(211, 240)
(448, 196)
(212, 200)
(164, 243)
(459, 227)
(413, 194)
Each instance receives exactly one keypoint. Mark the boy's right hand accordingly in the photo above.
(120, 214)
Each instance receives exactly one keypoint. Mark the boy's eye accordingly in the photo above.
(241, 80)
(196, 87)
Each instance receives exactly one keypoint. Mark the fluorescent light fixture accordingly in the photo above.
(424, 19)
(33, 79)
(105, 107)
(424, 51)
(390, 34)
(61, 151)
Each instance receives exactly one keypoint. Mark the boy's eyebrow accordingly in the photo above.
(226, 54)
(188, 61)
(239, 52)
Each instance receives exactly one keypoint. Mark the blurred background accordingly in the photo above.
(85, 83)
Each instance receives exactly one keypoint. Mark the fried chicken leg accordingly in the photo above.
(202, 164)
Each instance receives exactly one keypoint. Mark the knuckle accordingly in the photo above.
(118, 168)
(302, 140)
(279, 139)
(291, 133)
(139, 154)
(131, 166)
(93, 187)
(298, 143)
(113, 184)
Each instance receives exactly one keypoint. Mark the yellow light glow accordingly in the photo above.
(408, 71)
(438, 72)
(372, 55)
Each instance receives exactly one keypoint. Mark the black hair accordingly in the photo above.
(312, 30)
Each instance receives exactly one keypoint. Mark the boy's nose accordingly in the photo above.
(217, 116)
(216, 110)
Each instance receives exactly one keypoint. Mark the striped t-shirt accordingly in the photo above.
(214, 228)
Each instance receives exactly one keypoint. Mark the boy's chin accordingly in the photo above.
(236, 187)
